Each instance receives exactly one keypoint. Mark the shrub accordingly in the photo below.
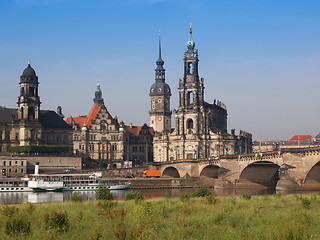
(133, 195)
(246, 196)
(17, 225)
(39, 149)
(119, 233)
(30, 208)
(78, 197)
(96, 234)
(184, 197)
(56, 221)
(8, 211)
(211, 199)
(201, 192)
(305, 203)
(103, 193)
(107, 204)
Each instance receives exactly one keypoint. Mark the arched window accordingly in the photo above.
(31, 91)
(31, 113)
(189, 124)
(190, 98)
(190, 70)
(7, 135)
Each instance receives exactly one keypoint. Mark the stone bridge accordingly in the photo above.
(287, 169)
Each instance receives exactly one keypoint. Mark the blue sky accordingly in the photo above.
(261, 58)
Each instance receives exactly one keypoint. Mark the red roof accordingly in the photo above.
(86, 120)
(135, 130)
(302, 138)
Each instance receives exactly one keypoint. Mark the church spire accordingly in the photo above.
(160, 45)
(160, 71)
(191, 44)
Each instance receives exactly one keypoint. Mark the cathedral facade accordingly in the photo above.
(200, 127)
(101, 137)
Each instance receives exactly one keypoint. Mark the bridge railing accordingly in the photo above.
(246, 157)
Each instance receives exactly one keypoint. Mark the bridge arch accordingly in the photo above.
(170, 172)
(314, 174)
(210, 171)
(264, 173)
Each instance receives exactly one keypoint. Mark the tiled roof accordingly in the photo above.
(50, 119)
(135, 130)
(8, 115)
(86, 120)
(302, 138)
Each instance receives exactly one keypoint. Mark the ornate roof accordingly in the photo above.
(29, 71)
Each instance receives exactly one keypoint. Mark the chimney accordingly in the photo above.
(36, 169)
(59, 112)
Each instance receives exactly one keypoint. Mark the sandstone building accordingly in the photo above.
(29, 125)
(101, 137)
(200, 127)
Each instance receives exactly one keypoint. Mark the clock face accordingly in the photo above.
(159, 118)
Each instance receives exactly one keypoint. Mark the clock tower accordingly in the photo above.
(160, 113)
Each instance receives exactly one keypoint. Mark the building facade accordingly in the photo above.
(101, 137)
(27, 124)
(200, 127)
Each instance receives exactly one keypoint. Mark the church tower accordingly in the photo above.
(29, 100)
(160, 113)
(29, 108)
(191, 94)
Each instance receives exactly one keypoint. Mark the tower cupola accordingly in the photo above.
(190, 44)
(98, 95)
(29, 100)
(160, 88)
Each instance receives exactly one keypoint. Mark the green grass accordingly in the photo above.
(263, 217)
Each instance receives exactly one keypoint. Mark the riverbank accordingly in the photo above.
(246, 217)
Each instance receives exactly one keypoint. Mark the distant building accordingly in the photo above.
(302, 138)
(200, 127)
(101, 137)
(28, 125)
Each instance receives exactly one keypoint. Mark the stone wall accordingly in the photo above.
(50, 164)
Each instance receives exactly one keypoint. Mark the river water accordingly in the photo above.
(30, 197)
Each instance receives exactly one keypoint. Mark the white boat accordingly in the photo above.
(60, 182)
(45, 184)
(14, 185)
(73, 182)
